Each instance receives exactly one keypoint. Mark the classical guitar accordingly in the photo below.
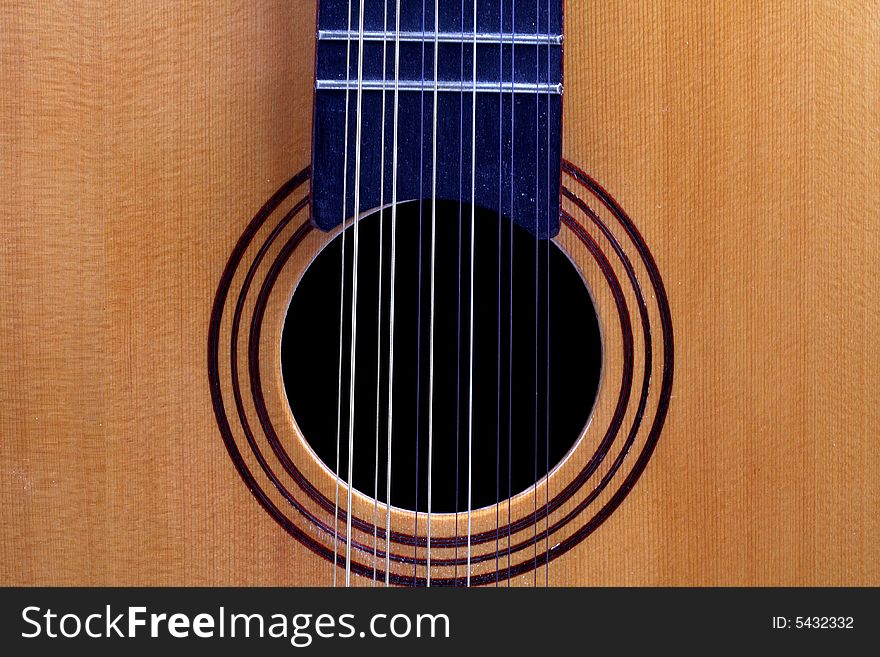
(421, 293)
(479, 420)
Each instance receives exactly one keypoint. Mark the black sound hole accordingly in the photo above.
(510, 377)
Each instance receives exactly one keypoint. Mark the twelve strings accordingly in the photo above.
(512, 87)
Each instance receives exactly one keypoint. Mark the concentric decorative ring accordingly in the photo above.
(315, 517)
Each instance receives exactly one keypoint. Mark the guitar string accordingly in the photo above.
(419, 286)
(471, 308)
(391, 298)
(547, 330)
(355, 268)
(341, 309)
(354, 290)
(498, 327)
(379, 309)
(432, 283)
(510, 286)
(537, 276)
(458, 304)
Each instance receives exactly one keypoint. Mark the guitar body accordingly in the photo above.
(731, 154)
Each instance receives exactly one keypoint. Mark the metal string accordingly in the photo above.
(458, 305)
(354, 291)
(391, 300)
(419, 285)
(341, 308)
(379, 314)
(354, 283)
(537, 273)
(510, 298)
(498, 333)
(547, 332)
(471, 309)
(431, 312)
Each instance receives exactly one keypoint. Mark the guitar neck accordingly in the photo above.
(497, 78)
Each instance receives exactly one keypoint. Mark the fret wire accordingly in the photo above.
(442, 85)
(445, 37)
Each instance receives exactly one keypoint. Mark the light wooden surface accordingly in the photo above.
(136, 141)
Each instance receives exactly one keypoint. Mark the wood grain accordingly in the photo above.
(137, 140)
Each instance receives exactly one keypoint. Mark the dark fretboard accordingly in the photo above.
(515, 102)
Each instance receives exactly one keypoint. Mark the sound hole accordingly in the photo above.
(511, 446)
